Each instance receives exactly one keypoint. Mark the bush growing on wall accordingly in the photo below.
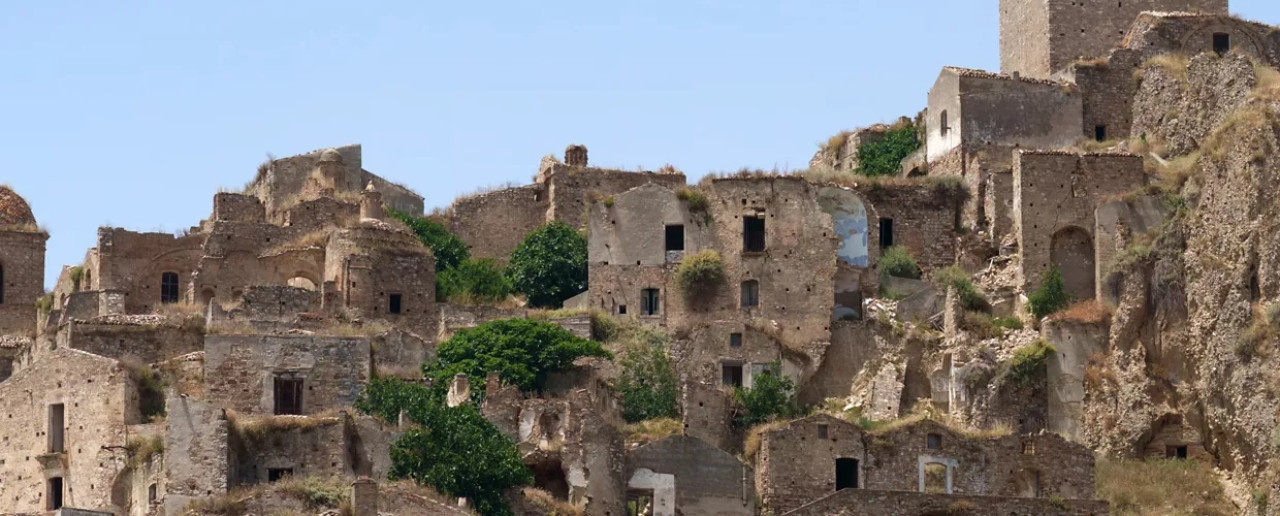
(898, 262)
(1051, 296)
(956, 278)
(448, 249)
(1029, 362)
(474, 280)
(771, 396)
(648, 382)
(884, 158)
(550, 266)
(453, 449)
(700, 273)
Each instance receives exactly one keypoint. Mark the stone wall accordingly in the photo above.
(139, 343)
(691, 476)
(22, 274)
(134, 263)
(862, 502)
(240, 370)
(1038, 39)
(325, 446)
(196, 451)
(373, 266)
(796, 463)
(924, 220)
(1055, 195)
(1179, 108)
(571, 190)
(493, 224)
(98, 400)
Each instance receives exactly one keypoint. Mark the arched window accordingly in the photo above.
(169, 287)
(943, 129)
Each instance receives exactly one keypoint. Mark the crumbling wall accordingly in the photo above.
(22, 262)
(134, 263)
(571, 190)
(797, 461)
(924, 220)
(94, 394)
(1178, 107)
(240, 370)
(375, 267)
(1192, 31)
(236, 207)
(630, 228)
(139, 343)
(706, 480)
(196, 452)
(493, 224)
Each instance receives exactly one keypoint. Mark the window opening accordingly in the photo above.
(823, 431)
(750, 293)
(1176, 452)
(394, 303)
(933, 441)
(169, 287)
(1221, 43)
(649, 301)
(886, 233)
(753, 234)
(1100, 133)
(622, 309)
(1, 284)
(288, 395)
(1028, 447)
(735, 340)
(57, 422)
(943, 129)
(275, 474)
(675, 238)
(846, 474)
(55, 493)
(731, 375)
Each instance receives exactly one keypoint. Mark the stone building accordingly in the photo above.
(21, 265)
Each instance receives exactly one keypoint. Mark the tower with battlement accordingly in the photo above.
(1041, 37)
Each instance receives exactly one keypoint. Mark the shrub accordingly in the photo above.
(700, 273)
(1007, 323)
(454, 449)
(474, 280)
(1051, 296)
(696, 200)
(1028, 362)
(521, 351)
(648, 382)
(980, 324)
(76, 274)
(897, 262)
(550, 266)
(448, 249)
(957, 278)
(884, 157)
(772, 396)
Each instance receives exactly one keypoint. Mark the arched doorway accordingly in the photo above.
(1071, 251)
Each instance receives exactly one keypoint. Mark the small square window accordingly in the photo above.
(735, 340)
(822, 432)
(622, 309)
(933, 441)
(731, 375)
(394, 303)
(1100, 133)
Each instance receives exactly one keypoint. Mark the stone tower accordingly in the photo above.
(575, 155)
(22, 245)
(1041, 37)
(331, 170)
(371, 203)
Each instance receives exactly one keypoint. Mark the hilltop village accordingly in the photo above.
(1060, 271)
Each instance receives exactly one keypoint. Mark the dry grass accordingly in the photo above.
(142, 449)
(549, 503)
(751, 443)
(1236, 130)
(1268, 87)
(317, 238)
(257, 429)
(644, 432)
(1086, 312)
(313, 493)
(179, 310)
(1161, 487)
(1174, 64)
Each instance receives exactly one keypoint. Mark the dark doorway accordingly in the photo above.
(1100, 133)
(57, 422)
(394, 302)
(675, 238)
(846, 474)
(753, 234)
(169, 287)
(55, 493)
(550, 477)
(1175, 452)
(1221, 43)
(731, 375)
(886, 233)
(275, 474)
(288, 391)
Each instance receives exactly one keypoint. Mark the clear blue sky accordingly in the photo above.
(133, 114)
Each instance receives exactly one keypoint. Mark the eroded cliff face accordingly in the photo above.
(1191, 342)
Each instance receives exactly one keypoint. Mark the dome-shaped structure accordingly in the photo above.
(14, 210)
(330, 155)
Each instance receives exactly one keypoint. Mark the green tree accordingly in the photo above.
(448, 249)
(453, 449)
(648, 382)
(884, 157)
(772, 395)
(550, 266)
(521, 351)
(473, 280)
(1051, 296)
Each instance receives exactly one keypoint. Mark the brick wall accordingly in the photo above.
(240, 370)
(924, 220)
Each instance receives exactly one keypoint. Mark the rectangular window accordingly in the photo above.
(1221, 43)
(57, 422)
(1175, 452)
(622, 309)
(735, 340)
(169, 287)
(731, 375)
(750, 293)
(394, 303)
(1028, 447)
(753, 234)
(288, 391)
(823, 432)
(933, 441)
(55, 494)
(274, 474)
(649, 301)
(675, 238)
(1100, 133)
(886, 233)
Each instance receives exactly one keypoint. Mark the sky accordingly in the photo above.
(133, 114)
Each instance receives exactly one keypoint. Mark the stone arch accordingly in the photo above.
(1071, 252)
(1242, 36)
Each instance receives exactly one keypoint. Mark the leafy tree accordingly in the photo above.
(550, 266)
(884, 157)
(521, 351)
(1051, 296)
(448, 249)
(648, 381)
(474, 280)
(772, 395)
(453, 449)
